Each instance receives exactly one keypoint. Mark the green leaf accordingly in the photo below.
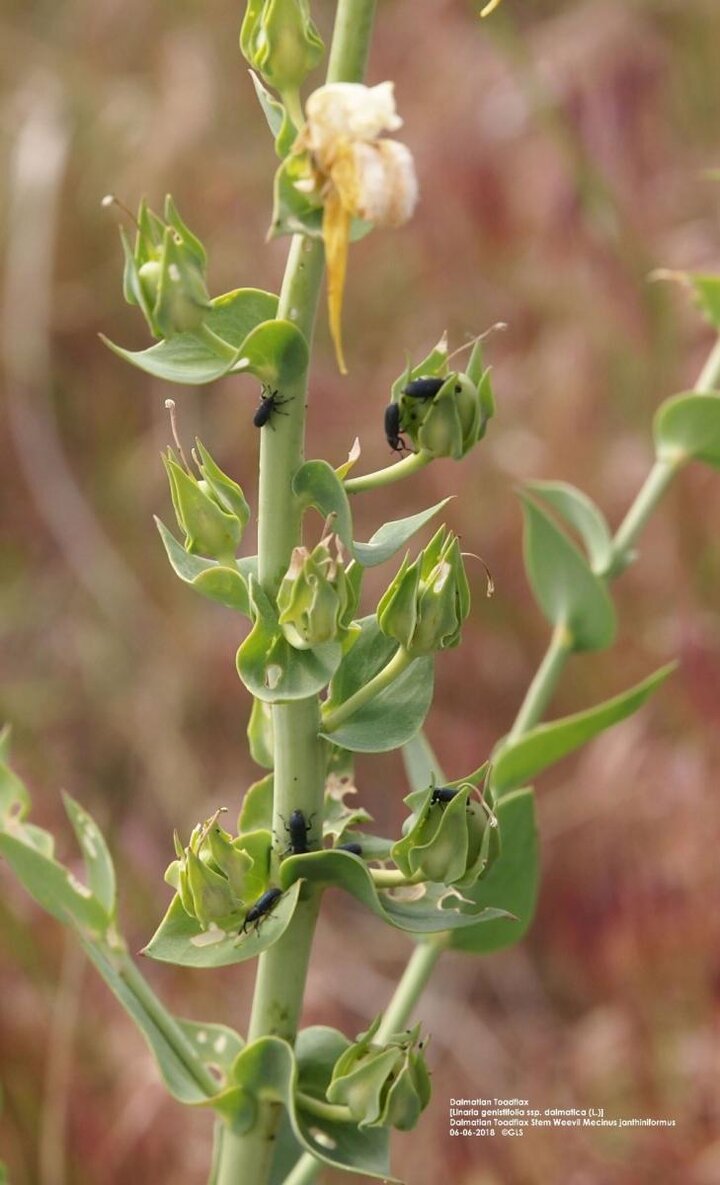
(256, 811)
(267, 1069)
(187, 357)
(317, 484)
(53, 886)
(218, 582)
(277, 353)
(510, 884)
(280, 124)
(426, 909)
(579, 512)
(516, 762)
(396, 713)
(707, 295)
(99, 868)
(568, 592)
(215, 1046)
(14, 798)
(272, 669)
(687, 427)
(180, 939)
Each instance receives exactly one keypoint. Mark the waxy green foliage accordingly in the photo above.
(427, 602)
(382, 1084)
(318, 596)
(165, 273)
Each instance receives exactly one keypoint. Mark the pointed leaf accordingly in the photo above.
(317, 484)
(394, 715)
(707, 295)
(99, 868)
(516, 762)
(180, 939)
(267, 1069)
(218, 582)
(511, 883)
(687, 427)
(581, 513)
(187, 357)
(14, 798)
(424, 909)
(567, 591)
(272, 669)
(215, 1046)
(53, 886)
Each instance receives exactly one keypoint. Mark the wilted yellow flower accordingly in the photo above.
(355, 172)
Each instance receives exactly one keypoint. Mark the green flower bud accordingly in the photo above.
(216, 876)
(280, 41)
(211, 512)
(437, 843)
(318, 596)
(427, 602)
(382, 1085)
(165, 273)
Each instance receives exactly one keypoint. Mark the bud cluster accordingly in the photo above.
(318, 596)
(384, 1085)
(211, 511)
(427, 602)
(216, 876)
(165, 273)
(451, 837)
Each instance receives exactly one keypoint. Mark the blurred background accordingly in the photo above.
(561, 148)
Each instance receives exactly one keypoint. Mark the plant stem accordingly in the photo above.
(659, 476)
(709, 377)
(163, 1021)
(332, 1111)
(391, 473)
(392, 878)
(333, 718)
(411, 986)
(541, 689)
(299, 768)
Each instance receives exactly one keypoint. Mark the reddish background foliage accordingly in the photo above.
(561, 149)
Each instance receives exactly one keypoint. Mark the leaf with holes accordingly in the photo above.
(272, 669)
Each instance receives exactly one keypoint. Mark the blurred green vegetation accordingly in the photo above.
(561, 149)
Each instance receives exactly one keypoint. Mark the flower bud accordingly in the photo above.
(216, 876)
(165, 273)
(318, 596)
(449, 424)
(280, 41)
(211, 512)
(450, 838)
(427, 602)
(382, 1085)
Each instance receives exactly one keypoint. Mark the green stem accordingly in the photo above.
(393, 878)
(334, 1112)
(658, 479)
(411, 986)
(388, 475)
(333, 718)
(166, 1024)
(709, 377)
(540, 691)
(652, 490)
(299, 768)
